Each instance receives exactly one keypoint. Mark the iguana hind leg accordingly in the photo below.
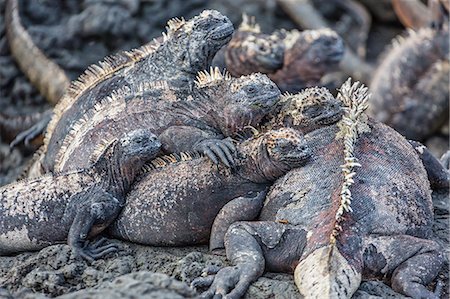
(252, 247)
(35, 130)
(411, 263)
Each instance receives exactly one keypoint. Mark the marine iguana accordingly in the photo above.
(217, 107)
(308, 56)
(185, 49)
(411, 84)
(361, 209)
(73, 206)
(292, 59)
(180, 210)
(251, 51)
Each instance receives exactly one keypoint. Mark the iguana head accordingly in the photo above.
(273, 154)
(251, 51)
(236, 103)
(308, 110)
(308, 56)
(197, 41)
(139, 144)
(118, 161)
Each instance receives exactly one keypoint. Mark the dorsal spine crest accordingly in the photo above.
(355, 99)
(214, 76)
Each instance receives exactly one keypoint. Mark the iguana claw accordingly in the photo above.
(216, 150)
(94, 250)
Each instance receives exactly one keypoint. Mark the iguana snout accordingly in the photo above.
(140, 143)
(287, 146)
(325, 45)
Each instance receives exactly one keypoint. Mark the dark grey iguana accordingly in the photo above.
(411, 84)
(187, 48)
(175, 203)
(73, 206)
(292, 59)
(218, 107)
(361, 210)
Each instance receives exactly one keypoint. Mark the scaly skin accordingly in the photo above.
(73, 206)
(308, 56)
(251, 51)
(44, 74)
(188, 47)
(293, 60)
(411, 85)
(306, 223)
(181, 211)
(217, 108)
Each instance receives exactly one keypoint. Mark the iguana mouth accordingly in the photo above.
(336, 56)
(271, 62)
(222, 32)
(329, 118)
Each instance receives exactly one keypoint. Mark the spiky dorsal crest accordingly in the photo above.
(174, 24)
(249, 24)
(214, 76)
(355, 97)
(102, 147)
(104, 69)
(106, 107)
(290, 38)
(164, 161)
(311, 35)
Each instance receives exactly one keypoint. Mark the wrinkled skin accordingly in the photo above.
(200, 122)
(181, 211)
(189, 48)
(392, 209)
(411, 84)
(74, 206)
(308, 56)
(251, 52)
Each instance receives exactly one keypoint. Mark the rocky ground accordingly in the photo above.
(76, 34)
(155, 272)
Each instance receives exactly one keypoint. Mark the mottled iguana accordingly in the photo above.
(217, 107)
(411, 84)
(251, 51)
(292, 59)
(73, 206)
(180, 210)
(361, 209)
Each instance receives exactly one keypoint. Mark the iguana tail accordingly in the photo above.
(44, 74)
(326, 273)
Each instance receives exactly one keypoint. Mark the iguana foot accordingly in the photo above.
(91, 251)
(31, 133)
(229, 282)
(216, 150)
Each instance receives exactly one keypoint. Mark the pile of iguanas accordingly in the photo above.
(151, 146)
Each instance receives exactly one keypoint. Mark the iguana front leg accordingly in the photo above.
(438, 175)
(92, 211)
(184, 138)
(252, 247)
(410, 262)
